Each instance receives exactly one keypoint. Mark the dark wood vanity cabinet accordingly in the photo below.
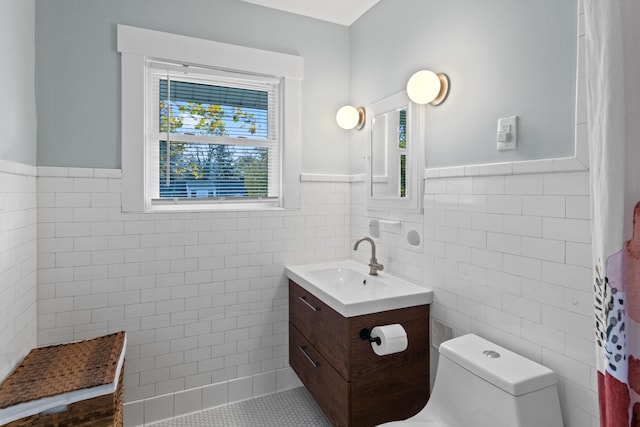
(353, 385)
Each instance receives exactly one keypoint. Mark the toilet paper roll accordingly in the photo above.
(393, 339)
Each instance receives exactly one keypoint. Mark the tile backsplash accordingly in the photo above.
(18, 269)
(204, 298)
(509, 258)
(202, 295)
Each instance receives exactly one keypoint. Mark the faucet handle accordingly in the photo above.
(374, 267)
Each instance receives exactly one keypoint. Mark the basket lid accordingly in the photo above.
(62, 374)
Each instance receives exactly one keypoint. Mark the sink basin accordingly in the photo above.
(347, 287)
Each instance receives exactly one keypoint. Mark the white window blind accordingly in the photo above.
(212, 135)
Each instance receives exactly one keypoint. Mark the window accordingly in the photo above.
(402, 149)
(207, 125)
(211, 136)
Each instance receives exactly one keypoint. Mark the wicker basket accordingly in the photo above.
(67, 372)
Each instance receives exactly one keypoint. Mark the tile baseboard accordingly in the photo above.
(157, 408)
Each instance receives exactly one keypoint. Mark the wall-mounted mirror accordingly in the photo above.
(395, 159)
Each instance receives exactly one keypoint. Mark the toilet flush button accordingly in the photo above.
(491, 354)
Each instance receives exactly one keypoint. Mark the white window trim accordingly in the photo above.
(138, 44)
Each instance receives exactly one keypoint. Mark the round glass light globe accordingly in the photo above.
(423, 87)
(348, 117)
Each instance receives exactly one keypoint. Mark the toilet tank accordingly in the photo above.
(480, 383)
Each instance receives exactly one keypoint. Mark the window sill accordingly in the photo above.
(212, 207)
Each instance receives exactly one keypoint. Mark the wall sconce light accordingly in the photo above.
(427, 87)
(350, 117)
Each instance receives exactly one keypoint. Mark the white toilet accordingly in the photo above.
(479, 383)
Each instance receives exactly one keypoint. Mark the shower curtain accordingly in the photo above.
(612, 55)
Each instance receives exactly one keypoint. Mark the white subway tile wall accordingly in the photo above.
(18, 263)
(202, 295)
(509, 258)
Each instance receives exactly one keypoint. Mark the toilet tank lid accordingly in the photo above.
(511, 372)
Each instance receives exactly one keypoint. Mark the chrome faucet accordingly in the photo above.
(374, 267)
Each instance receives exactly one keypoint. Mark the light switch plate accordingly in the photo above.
(507, 133)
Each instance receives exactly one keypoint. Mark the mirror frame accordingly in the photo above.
(415, 151)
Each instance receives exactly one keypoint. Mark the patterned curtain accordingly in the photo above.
(612, 55)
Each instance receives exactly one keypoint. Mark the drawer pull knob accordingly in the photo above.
(313, 362)
(304, 300)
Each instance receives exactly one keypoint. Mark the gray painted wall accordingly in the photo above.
(79, 71)
(503, 58)
(17, 74)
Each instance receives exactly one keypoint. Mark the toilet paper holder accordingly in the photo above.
(365, 334)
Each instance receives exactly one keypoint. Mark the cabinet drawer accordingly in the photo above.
(321, 325)
(327, 387)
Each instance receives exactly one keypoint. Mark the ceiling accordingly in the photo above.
(343, 12)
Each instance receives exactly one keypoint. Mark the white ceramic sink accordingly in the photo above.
(347, 287)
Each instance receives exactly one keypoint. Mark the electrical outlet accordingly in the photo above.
(507, 133)
(440, 333)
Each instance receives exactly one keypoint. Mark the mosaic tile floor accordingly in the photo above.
(291, 408)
